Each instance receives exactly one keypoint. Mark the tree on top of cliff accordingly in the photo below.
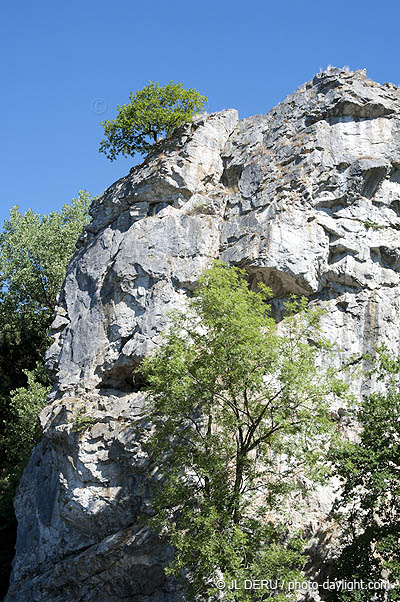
(152, 113)
(241, 419)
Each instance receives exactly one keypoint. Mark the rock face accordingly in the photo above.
(307, 199)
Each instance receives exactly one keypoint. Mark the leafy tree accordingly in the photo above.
(20, 432)
(370, 502)
(34, 254)
(23, 430)
(154, 112)
(241, 420)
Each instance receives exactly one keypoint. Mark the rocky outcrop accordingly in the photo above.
(307, 199)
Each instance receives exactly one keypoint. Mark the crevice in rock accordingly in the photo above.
(395, 206)
(366, 175)
(231, 176)
(332, 206)
(348, 110)
(385, 257)
(122, 378)
(341, 167)
(281, 284)
(372, 180)
(336, 255)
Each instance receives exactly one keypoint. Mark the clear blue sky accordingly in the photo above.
(63, 63)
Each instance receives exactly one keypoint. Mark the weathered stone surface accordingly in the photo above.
(307, 199)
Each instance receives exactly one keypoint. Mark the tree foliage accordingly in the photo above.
(154, 112)
(370, 502)
(34, 254)
(241, 421)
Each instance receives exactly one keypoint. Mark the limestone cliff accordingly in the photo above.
(307, 199)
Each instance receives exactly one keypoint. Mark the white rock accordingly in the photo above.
(307, 198)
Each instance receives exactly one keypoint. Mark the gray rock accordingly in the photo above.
(307, 199)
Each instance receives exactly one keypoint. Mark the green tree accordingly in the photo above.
(20, 432)
(370, 501)
(241, 420)
(34, 254)
(154, 112)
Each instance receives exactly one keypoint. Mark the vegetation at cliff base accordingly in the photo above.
(369, 470)
(34, 253)
(154, 112)
(241, 429)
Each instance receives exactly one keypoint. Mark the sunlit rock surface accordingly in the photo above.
(307, 199)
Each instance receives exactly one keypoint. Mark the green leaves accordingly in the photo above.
(370, 473)
(239, 410)
(22, 428)
(34, 254)
(154, 112)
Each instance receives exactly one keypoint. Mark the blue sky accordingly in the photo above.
(66, 66)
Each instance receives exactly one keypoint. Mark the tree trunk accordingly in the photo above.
(237, 486)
